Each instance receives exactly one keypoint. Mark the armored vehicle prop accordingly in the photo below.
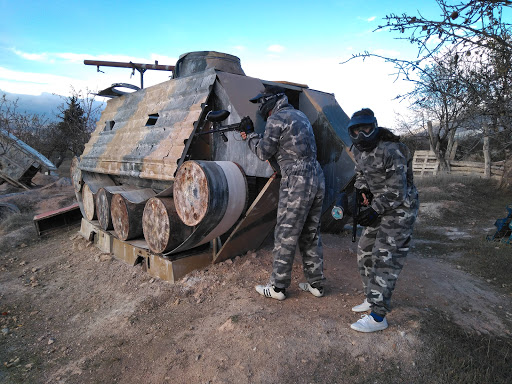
(167, 173)
(19, 162)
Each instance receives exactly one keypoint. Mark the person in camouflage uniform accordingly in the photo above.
(290, 140)
(384, 181)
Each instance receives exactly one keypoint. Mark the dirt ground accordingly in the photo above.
(70, 314)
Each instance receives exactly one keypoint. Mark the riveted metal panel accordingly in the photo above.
(135, 147)
(329, 123)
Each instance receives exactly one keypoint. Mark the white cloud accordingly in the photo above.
(72, 57)
(80, 57)
(370, 19)
(275, 48)
(30, 83)
(31, 56)
(356, 84)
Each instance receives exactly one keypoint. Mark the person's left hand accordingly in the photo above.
(244, 135)
(367, 217)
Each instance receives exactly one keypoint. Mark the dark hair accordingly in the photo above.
(386, 135)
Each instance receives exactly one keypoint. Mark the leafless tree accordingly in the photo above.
(463, 59)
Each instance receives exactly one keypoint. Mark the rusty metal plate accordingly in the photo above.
(259, 220)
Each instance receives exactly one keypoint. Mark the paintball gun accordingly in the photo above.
(358, 201)
(245, 125)
(357, 208)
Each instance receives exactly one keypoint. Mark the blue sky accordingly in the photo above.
(43, 44)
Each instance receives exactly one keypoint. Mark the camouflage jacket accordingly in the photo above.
(288, 136)
(387, 172)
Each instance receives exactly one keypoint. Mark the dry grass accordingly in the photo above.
(458, 355)
(478, 204)
(15, 221)
(461, 356)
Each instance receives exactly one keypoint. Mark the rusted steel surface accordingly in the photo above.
(255, 226)
(126, 143)
(332, 139)
(237, 191)
(162, 227)
(195, 62)
(218, 214)
(89, 203)
(19, 162)
(156, 66)
(210, 191)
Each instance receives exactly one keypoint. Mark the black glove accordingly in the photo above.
(367, 217)
(367, 193)
(246, 125)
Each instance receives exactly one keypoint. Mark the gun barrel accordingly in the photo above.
(157, 67)
(355, 212)
(225, 128)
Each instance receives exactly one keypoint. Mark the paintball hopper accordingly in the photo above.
(340, 207)
(217, 116)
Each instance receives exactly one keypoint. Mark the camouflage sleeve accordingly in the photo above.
(395, 191)
(265, 147)
(361, 182)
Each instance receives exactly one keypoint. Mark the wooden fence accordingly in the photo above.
(426, 164)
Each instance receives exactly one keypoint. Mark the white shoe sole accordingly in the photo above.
(308, 288)
(267, 291)
(369, 326)
(363, 307)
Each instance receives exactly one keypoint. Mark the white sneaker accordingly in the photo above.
(368, 324)
(268, 291)
(365, 306)
(318, 292)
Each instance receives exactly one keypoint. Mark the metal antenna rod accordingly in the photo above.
(141, 68)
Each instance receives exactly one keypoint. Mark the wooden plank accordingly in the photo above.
(173, 270)
(128, 253)
(91, 231)
(425, 163)
(259, 220)
(11, 181)
(475, 164)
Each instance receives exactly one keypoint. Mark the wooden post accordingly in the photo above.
(487, 153)
(126, 217)
(89, 201)
(162, 227)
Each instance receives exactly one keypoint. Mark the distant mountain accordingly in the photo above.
(46, 104)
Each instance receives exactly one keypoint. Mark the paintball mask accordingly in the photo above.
(267, 100)
(363, 130)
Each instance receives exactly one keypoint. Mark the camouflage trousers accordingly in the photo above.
(381, 255)
(301, 196)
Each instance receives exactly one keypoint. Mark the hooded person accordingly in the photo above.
(289, 139)
(384, 181)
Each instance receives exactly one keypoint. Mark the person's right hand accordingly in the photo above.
(244, 135)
